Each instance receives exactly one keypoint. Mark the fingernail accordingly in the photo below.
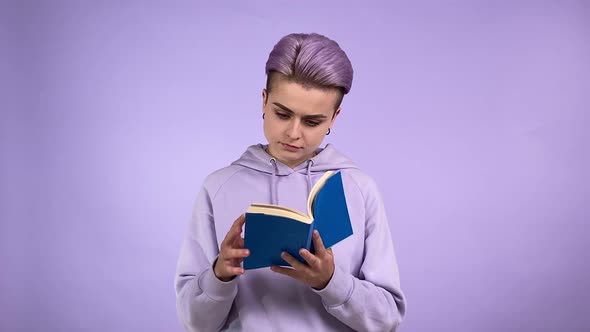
(316, 232)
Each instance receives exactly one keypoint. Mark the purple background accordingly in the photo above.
(471, 115)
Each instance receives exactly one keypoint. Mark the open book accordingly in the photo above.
(272, 229)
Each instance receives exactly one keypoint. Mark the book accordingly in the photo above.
(272, 229)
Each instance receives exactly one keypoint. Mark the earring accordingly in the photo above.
(263, 116)
(328, 133)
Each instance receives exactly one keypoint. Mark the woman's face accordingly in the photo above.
(296, 120)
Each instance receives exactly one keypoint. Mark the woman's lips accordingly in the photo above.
(290, 147)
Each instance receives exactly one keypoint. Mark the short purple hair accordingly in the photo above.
(312, 60)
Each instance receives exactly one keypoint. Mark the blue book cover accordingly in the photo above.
(272, 229)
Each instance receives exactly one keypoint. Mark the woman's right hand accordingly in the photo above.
(231, 252)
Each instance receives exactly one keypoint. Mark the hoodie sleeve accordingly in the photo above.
(203, 302)
(373, 301)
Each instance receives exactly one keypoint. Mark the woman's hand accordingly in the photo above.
(231, 252)
(320, 266)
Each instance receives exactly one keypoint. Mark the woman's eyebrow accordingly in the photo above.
(286, 109)
(283, 107)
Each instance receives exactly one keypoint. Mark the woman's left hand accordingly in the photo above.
(319, 269)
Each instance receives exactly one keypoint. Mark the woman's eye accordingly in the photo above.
(312, 123)
(282, 116)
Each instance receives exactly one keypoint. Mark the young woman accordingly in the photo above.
(352, 286)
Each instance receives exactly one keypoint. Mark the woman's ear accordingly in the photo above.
(264, 97)
(336, 113)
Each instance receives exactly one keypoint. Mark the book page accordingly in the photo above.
(280, 211)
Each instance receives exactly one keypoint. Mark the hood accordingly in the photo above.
(326, 159)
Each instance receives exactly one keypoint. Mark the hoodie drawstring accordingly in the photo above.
(273, 182)
(309, 164)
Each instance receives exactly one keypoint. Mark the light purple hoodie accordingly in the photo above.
(364, 293)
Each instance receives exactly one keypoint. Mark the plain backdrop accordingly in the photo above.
(471, 115)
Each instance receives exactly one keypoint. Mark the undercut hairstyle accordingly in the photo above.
(311, 60)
